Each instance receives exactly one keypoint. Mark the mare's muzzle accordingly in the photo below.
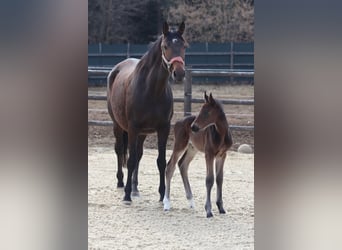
(178, 71)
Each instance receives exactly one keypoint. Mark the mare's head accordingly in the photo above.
(173, 51)
(209, 114)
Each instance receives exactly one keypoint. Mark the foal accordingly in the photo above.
(209, 133)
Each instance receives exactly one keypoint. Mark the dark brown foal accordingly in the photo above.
(209, 133)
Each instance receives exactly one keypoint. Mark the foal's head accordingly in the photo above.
(210, 113)
(173, 51)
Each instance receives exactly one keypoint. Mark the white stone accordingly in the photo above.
(245, 149)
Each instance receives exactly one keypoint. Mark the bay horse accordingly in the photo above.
(207, 132)
(140, 102)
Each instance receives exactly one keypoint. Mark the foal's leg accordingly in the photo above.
(135, 191)
(180, 144)
(209, 181)
(131, 163)
(119, 150)
(161, 161)
(183, 167)
(219, 179)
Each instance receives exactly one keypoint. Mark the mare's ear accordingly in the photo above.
(211, 99)
(165, 28)
(181, 28)
(206, 97)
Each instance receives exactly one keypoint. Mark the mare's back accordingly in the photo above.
(123, 70)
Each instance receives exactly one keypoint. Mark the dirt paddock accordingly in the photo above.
(144, 224)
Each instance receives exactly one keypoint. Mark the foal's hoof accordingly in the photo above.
(222, 211)
(120, 185)
(167, 204)
(191, 204)
(220, 207)
(210, 214)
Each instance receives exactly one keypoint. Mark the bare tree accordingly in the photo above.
(117, 21)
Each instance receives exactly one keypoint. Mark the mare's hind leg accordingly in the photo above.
(120, 153)
(219, 180)
(131, 162)
(183, 167)
(140, 143)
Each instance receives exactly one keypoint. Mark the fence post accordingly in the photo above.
(231, 59)
(128, 49)
(100, 52)
(187, 92)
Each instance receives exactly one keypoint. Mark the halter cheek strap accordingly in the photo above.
(175, 59)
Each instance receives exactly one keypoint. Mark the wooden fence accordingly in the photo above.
(187, 100)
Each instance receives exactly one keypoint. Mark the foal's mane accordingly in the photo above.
(220, 106)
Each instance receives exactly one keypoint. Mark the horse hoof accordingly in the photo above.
(222, 211)
(192, 204)
(135, 194)
(209, 215)
(167, 204)
(127, 200)
(120, 185)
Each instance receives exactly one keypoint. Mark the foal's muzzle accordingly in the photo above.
(195, 128)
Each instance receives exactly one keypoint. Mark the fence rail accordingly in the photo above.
(187, 100)
(193, 100)
(228, 55)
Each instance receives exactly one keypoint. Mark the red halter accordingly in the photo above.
(174, 59)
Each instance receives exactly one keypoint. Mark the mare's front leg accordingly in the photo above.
(140, 144)
(219, 180)
(163, 134)
(131, 163)
(209, 181)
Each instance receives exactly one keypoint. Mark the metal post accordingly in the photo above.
(100, 52)
(187, 92)
(128, 49)
(231, 59)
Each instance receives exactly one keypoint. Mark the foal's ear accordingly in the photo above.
(181, 28)
(211, 99)
(165, 28)
(206, 97)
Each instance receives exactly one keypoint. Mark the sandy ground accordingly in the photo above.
(144, 224)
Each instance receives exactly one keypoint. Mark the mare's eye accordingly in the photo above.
(164, 47)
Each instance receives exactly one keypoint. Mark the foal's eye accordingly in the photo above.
(206, 114)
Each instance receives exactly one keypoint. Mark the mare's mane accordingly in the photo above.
(152, 56)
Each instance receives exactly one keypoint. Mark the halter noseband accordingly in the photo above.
(174, 59)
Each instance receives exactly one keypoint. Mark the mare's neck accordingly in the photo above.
(157, 75)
